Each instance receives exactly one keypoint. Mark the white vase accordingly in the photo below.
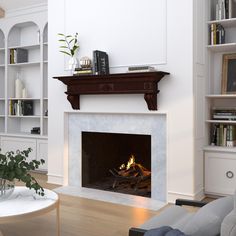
(72, 64)
(6, 188)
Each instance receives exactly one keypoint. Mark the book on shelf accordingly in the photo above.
(224, 114)
(223, 135)
(135, 69)
(101, 63)
(18, 55)
(224, 9)
(217, 34)
(21, 108)
(83, 71)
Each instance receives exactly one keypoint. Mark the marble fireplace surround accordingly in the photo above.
(150, 123)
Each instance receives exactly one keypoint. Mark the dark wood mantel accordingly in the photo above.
(128, 83)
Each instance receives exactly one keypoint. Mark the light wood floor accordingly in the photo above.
(80, 217)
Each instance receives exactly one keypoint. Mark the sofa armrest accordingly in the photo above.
(136, 232)
(228, 226)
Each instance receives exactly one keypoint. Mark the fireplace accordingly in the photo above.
(147, 125)
(117, 162)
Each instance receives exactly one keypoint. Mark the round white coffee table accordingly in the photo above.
(25, 203)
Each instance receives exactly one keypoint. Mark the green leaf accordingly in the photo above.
(66, 53)
(62, 40)
(60, 34)
(63, 47)
(71, 40)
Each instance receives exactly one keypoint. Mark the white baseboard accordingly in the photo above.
(55, 179)
(172, 196)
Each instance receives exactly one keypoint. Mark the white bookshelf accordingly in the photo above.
(30, 37)
(2, 82)
(218, 157)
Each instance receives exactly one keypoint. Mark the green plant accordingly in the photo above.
(70, 44)
(15, 166)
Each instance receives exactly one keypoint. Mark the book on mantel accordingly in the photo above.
(100, 63)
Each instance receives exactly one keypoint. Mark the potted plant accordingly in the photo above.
(14, 166)
(69, 47)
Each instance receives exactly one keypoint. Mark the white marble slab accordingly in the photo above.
(117, 198)
(153, 124)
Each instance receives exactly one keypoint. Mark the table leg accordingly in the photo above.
(58, 220)
(1, 234)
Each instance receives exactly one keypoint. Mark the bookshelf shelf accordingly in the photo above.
(221, 121)
(36, 63)
(229, 96)
(14, 99)
(29, 117)
(28, 47)
(220, 149)
(225, 23)
(227, 47)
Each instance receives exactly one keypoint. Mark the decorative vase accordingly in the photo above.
(72, 64)
(6, 188)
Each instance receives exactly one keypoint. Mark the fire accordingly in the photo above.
(129, 163)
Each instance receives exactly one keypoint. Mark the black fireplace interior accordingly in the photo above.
(102, 157)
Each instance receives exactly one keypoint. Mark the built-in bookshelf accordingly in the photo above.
(26, 56)
(220, 130)
(2, 82)
(23, 83)
(45, 83)
(215, 52)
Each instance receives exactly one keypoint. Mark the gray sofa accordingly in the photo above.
(215, 218)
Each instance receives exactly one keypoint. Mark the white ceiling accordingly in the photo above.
(15, 4)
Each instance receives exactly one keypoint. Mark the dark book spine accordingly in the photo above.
(102, 63)
(95, 62)
(227, 9)
(107, 64)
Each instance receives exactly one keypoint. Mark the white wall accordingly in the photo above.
(174, 33)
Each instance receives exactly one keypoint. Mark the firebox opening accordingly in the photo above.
(117, 162)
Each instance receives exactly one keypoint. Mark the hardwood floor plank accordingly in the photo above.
(80, 217)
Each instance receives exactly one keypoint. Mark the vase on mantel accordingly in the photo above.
(6, 188)
(72, 64)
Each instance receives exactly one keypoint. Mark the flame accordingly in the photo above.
(130, 162)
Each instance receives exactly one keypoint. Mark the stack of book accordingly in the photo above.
(223, 135)
(83, 71)
(217, 34)
(224, 9)
(135, 69)
(18, 55)
(101, 63)
(224, 114)
(21, 108)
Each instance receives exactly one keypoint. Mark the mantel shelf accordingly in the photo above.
(128, 83)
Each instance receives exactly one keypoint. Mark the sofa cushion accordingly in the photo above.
(207, 220)
(169, 216)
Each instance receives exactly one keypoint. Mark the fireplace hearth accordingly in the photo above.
(117, 162)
